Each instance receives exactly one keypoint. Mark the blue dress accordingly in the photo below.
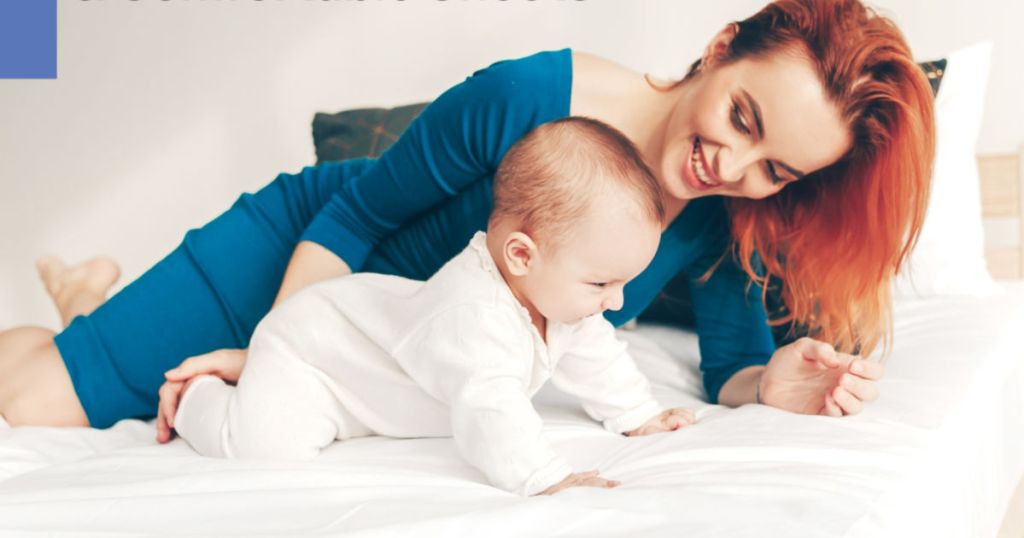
(405, 213)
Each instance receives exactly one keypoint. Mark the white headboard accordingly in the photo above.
(1002, 200)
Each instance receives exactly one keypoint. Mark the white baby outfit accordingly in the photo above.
(455, 356)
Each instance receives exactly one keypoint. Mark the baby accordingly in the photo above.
(577, 215)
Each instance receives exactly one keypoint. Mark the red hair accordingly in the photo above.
(837, 237)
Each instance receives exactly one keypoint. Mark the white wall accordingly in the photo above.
(164, 111)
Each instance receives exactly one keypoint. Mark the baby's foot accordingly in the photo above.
(79, 289)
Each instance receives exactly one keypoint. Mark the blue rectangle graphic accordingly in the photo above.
(28, 38)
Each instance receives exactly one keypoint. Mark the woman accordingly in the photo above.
(804, 134)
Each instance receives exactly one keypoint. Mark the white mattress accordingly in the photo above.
(938, 454)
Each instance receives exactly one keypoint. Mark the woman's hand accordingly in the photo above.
(588, 479)
(811, 377)
(224, 363)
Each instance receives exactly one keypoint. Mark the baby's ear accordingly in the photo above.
(520, 253)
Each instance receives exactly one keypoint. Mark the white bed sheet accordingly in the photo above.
(938, 454)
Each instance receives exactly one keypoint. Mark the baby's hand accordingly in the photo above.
(170, 394)
(587, 479)
(666, 421)
(226, 364)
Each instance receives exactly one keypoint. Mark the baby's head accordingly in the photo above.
(577, 215)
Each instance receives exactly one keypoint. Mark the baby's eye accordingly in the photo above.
(599, 284)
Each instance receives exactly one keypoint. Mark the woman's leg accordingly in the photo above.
(77, 290)
(208, 294)
(35, 388)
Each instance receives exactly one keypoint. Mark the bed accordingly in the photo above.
(939, 454)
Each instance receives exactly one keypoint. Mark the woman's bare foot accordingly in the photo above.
(79, 289)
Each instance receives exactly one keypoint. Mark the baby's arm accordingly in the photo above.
(477, 360)
(600, 372)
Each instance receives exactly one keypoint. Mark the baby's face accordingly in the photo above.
(585, 274)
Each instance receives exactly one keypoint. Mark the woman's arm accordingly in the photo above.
(734, 337)
(310, 263)
(742, 387)
(741, 365)
(458, 140)
(806, 376)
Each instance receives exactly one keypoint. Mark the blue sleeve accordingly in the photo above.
(732, 325)
(731, 321)
(458, 139)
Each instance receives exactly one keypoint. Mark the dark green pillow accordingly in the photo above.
(364, 132)
(934, 71)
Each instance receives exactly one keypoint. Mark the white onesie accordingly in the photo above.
(455, 356)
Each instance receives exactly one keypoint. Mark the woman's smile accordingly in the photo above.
(696, 170)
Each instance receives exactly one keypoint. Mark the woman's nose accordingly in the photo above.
(731, 164)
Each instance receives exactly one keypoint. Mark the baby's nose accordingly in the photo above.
(613, 302)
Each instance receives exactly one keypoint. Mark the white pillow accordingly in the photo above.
(950, 254)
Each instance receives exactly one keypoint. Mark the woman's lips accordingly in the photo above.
(689, 171)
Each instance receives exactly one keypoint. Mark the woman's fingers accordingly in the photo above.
(847, 402)
(863, 389)
(816, 350)
(867, 369)
(831, 407)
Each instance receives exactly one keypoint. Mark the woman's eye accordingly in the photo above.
(737, 119)
(772, 175)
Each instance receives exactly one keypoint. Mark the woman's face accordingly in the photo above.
(750, 127)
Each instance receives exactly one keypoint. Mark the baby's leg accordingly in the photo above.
(280, 409)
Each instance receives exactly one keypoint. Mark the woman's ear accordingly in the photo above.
(520, 253)
(718, 48)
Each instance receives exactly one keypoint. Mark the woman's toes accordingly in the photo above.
(100, 273)
(50, 270)
(94, 276)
